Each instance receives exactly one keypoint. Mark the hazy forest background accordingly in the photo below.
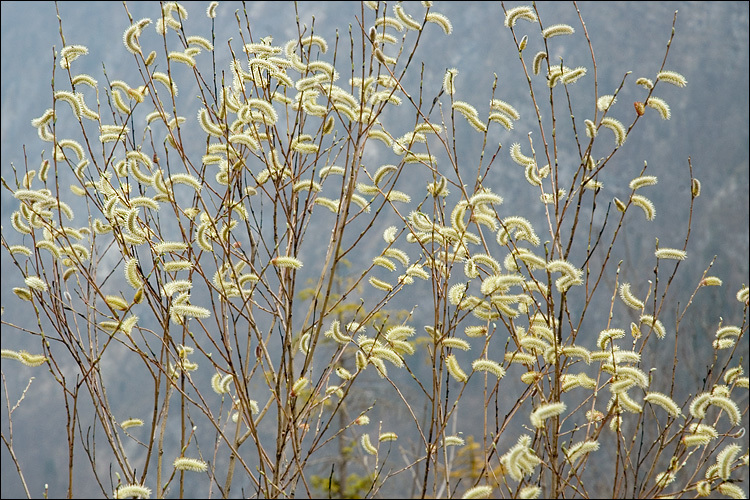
(709, 124)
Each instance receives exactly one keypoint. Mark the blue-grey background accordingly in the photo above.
(709, 124)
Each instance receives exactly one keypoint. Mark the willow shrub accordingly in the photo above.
(226, 293)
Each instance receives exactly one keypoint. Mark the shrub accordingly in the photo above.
(287, 269)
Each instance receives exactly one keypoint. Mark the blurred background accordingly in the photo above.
(709, 124)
